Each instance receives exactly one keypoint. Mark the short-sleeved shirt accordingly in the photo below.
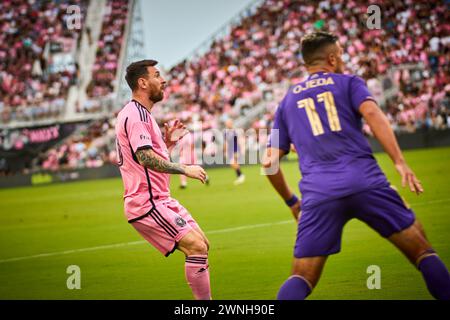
(137, 129)
(320, 117)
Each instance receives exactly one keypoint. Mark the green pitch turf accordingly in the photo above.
(250, 230)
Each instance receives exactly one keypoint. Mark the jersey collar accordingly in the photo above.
(319, 73)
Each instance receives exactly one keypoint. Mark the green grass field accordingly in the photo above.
(250, 230)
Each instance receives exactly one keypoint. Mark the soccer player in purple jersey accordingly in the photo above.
(233, 150)
(341, 180)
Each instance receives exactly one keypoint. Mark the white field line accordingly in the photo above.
(124, 244)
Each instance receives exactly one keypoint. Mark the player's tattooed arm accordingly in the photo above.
(149, 159)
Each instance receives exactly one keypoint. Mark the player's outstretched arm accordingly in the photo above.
(381, 128)
(271, 167)
(149, 159)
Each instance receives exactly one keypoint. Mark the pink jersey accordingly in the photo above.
(137, 129)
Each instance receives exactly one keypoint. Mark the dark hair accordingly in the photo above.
(137, 70)
(312, 43)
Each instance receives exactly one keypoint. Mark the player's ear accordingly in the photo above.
(142, 83)
(332, 59)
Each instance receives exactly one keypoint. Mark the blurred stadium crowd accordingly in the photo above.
(405, 63)
(263, 51)
(32, 86)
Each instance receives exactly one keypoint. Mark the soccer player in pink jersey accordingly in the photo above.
(145, 167)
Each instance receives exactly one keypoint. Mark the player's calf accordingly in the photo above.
(306, 273)
(309, 268)
(196, 266)
(418, 250)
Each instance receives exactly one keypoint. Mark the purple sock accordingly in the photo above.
(436, 277)
(295, 288)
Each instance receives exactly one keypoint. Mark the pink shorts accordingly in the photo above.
(165, 225)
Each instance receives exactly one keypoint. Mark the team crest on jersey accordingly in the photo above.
(180, 221)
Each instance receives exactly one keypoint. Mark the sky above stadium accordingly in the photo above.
(173, 28)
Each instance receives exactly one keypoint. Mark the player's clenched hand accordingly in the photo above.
(408, 177)
(196, 172)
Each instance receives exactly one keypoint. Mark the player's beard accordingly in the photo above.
(156, 96)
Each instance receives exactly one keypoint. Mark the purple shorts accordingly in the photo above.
(320, 227)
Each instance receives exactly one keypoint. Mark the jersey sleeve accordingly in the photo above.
(139, 135)
(279, 135)
(359, 92)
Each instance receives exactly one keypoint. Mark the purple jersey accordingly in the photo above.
(320, 117)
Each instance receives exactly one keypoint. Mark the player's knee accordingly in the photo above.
(193, 244)
(207, 244)
(198, 247)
